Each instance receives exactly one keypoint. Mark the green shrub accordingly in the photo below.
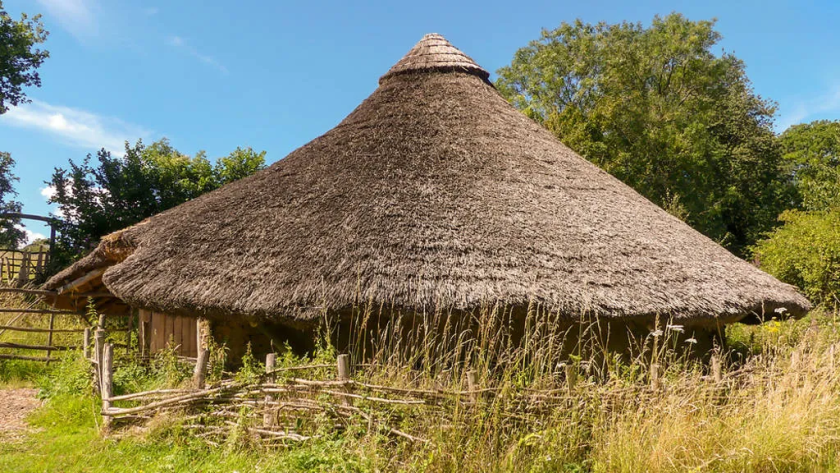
(805, 251)
(70, 376)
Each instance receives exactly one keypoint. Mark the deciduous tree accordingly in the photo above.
(19, 56)
(658, 108)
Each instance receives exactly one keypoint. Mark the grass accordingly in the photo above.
(778, 410)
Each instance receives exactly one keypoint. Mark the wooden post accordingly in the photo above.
(52, 243)
(39, 264)
(99, 345)
(128, 333)
(101, 323)
(344, 375)
(200, 373)
(23, 270)
(571, 376)
(654, 377)
(717, 376)
(472, 384)
(107, 383)
(270, 364)
(50, 338)
(86, 343)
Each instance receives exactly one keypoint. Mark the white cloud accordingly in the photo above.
(48, 192)
(76, 127)
(151, 11)
(804, 109)
(30, 236)
(181, 43)
(76, 16)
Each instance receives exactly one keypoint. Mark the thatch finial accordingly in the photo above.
(435, 53)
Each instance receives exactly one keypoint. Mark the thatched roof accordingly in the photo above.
(435, 192)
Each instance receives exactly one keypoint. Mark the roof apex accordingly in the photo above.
(434, 53)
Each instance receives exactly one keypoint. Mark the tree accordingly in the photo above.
(19, 59)
(812, 160)
(805, 250)
(658, 109)
(10, 234)
(97, 198)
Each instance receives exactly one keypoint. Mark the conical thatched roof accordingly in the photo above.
(434, 192)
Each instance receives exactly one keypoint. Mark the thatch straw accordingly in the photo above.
(434, 192)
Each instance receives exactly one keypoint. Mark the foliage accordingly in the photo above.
(658, 109)
(19, 59)
(10, 235)
(116, 192)
(805, 252)
(812, 157)
(69, 377)
(168, 369)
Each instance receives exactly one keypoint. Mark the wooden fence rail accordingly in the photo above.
(28, 310)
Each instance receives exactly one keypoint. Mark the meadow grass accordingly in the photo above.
(777, 409)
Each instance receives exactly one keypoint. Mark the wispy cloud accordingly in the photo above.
(76, 16)
(151, 11)
(75, 127)
(181, 43)
(804, 109)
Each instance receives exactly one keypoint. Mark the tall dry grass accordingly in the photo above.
(776, 408)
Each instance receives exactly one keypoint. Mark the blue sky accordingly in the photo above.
(214, 75)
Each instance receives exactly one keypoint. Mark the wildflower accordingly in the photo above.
(691, 340)
(780, 310)
(676, 328)
(656, 333)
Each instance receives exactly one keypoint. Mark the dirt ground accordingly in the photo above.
(15, 404)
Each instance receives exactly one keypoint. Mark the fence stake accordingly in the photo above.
(86, 343)
(472, 384)
(107, 383)
(99, 345)
(270, 364)
(571, 376)
(344, 375)
(200, 373)
(101, 321)
(128, 333)
(716, 369)
(654, 377)
(50, 337)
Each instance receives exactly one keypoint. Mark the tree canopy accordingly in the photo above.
(10, 235)
(805, 250)
(102, 196)
(19, 57)
(657, 108)
(811, 153)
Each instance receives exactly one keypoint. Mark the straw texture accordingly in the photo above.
(435, 54)
(433, 193)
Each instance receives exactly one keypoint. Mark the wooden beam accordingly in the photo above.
(82, 280)
(4, 356)
(36, 292)
(38, 311)
(28, 217)
(40, 330)
(21, 346)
